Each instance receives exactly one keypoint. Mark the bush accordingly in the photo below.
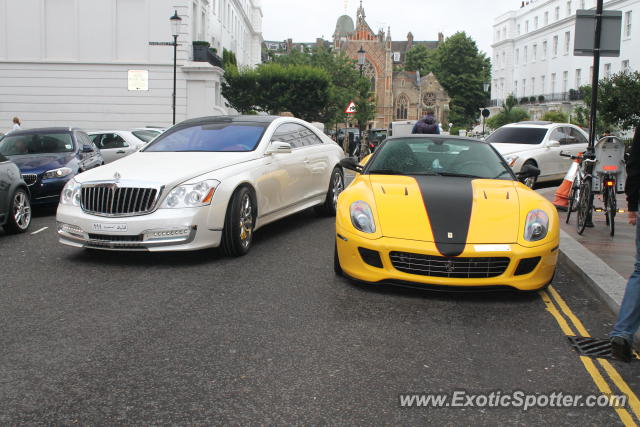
(524, 100)
(532, 99)
(555, 116)
(541, 98)
(505, 117)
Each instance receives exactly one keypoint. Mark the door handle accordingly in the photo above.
(120, 152)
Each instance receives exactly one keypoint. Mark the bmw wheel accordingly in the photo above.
(19, 214)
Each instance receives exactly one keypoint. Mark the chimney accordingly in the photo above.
(440, 38)
(409, 40)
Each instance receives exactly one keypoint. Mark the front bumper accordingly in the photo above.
(162, 230)
(354, 266)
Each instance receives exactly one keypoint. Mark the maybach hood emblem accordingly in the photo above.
(117, 176)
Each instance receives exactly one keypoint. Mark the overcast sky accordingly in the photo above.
(304, 20)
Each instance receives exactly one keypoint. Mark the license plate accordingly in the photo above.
(112, 228)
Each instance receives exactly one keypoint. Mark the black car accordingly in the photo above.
(49, 157)
(15, 207)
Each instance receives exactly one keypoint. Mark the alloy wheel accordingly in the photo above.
(338, 186)
(21, 210)
(246, 221)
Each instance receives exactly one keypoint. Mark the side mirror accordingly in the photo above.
(553, 143)
(87, 149)
(352, 164)
(528, 171)
(279, 147)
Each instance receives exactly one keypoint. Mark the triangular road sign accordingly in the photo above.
(351, 108)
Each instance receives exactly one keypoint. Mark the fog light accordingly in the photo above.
(70, 229)
(177, 233)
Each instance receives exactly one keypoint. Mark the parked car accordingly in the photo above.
(539, 144)
(444, 211)
(205, 182)
(375, 137)
(49, 157)
(342, 132)
(116, 144)
(15, 207)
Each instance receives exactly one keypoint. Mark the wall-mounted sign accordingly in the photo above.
(138, 80)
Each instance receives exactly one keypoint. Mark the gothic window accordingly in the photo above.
(402, 107)
(370, 72)
(429, 99)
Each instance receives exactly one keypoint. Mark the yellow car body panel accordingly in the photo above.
(496, 229)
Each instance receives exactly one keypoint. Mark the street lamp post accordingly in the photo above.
(361, 58)
(175, 27)
(484, 112)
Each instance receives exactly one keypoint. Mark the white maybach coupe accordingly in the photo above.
(206, 182)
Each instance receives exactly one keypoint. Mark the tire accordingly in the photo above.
(337, 268)
(336, 185)
(237, 234)
(573, 202)
(531, 181)
(611, 207)
(584, 205)
(19, 213)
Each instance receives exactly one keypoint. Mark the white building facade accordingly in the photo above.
(533, 51)
(70, 62)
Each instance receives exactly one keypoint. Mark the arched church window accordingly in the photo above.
(402, 107)
(429, 99)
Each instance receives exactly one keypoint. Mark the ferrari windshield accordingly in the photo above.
(37, 143)
(210, 137)
(438, 156)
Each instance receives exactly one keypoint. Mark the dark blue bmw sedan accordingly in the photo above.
(48, 158)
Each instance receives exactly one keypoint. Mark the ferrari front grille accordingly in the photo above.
(456, 267)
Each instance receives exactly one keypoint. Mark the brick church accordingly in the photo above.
(400, 95)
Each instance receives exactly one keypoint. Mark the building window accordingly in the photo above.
(625, 65)
(607, 70)
(518, 29)
(542, 82)
(546, 18)
(581, 4)
(524, 55)
(535, 23)
(553, 82)
(555, 46)
(557, 13)
(524, 87)
(533, 85)
(565, 81)
(498, 35)
(569, 8)
(567, 42)
(515, 88)
(526, 27)
(578, 78)
(402, 107)
(517, 58)
(534, 53)
(544, 50)
(627, 24)
(504, 33)
(504, 59)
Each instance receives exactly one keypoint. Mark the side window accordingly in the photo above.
(97, 139)
(579, 137)
(568, 138)
(311, 138)
(83, 139)
(290, 133)
(112, 140)
(557, 134)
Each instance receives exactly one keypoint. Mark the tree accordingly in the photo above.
(508, 114)
(420, 58)
(582, 113)
(239, 89)
(618, 103)
(462, 69)
(365, 105)
(555, 116)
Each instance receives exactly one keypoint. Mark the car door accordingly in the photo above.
(554, 163)
(316, 159)
(285, 173)
(90, 159)
(113, 147)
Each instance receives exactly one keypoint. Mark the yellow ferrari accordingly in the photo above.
(444, 211)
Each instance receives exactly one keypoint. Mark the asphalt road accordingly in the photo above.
(272, 338)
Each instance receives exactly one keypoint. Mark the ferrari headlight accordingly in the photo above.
(70, 193)
(191, 195)
(57, 173)
(361, 217)
(537, 225)
(511, 160)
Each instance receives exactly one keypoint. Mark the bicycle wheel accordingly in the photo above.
(573, 198)
(611, 206)
(584, 205)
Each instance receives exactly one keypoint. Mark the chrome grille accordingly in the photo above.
(458, 267)
(110, 200)
(30, 178)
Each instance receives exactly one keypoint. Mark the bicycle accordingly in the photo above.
(598, 173)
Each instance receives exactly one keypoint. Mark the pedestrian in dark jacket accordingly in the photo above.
(629, 317)
(427, 124)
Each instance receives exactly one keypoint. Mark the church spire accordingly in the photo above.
(361, 14)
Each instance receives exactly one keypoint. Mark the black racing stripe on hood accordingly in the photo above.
(448, 201)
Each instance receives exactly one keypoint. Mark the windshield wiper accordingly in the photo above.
(462, 175)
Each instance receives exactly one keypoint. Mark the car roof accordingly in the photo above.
(45, 130)
(230, 119)
(537, 124)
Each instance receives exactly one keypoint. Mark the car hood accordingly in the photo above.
(164, 168)
(449, 211)
(505, 149)
(36, 163)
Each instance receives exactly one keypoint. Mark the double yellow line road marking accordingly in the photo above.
(569, 322)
